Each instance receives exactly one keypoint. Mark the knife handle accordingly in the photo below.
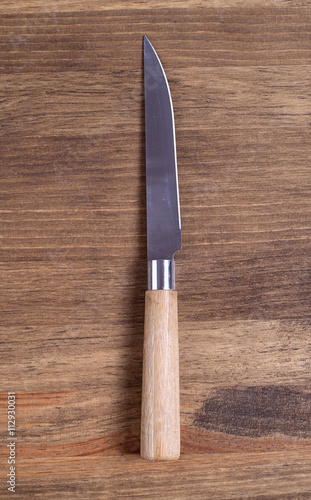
(160, 419)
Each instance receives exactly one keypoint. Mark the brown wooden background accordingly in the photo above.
(73, 245)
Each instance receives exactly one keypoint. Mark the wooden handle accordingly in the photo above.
(160, 420)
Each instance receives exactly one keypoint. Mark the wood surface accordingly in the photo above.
(160, 415)
(73, 246)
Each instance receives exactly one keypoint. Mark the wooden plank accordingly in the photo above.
(263, 36)
(244, 386)
(252, 475)
(51, 8)
(73, 246)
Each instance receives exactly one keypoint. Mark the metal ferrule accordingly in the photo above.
(161, 275)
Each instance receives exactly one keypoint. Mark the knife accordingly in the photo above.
(160, 419)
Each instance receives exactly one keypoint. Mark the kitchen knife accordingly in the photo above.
(160, 422)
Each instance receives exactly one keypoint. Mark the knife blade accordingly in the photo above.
(160, 422)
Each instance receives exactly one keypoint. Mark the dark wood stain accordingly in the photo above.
(257, 412)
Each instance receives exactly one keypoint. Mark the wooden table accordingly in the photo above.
(73, 246)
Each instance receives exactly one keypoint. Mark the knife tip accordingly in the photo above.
(148, 47)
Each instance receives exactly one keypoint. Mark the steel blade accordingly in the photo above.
(163, 213)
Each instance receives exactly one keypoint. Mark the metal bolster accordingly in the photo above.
(161, 274)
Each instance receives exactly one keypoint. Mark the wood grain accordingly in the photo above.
(73, 246)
